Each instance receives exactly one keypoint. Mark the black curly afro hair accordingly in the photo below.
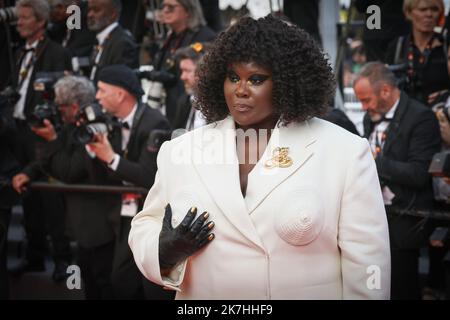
(303, 81)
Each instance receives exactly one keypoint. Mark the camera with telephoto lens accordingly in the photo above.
(440, 165)
(442, 106)
(93, 120)
(149, 73)
(8, 15)
(412, 85)
(156, 94)
(81, 66)
(401, 75)
(44, 85)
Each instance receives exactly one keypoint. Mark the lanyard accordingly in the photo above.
(422, 59)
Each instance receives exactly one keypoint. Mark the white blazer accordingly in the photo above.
(314, 230)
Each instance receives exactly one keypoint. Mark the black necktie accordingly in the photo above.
(23, 53)
(25, 50)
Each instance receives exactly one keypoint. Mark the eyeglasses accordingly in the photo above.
(170, 7)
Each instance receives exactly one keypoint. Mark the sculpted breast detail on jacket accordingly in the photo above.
(300, 222)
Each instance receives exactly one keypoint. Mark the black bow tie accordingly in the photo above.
(383, 119)
(25, 50)
(125, 125)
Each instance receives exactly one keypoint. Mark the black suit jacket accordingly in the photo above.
(137, 164)
(9, 166)
(94, 218)
(89, 215)
(119, 48)
(51, 57)
(338, 117)
(175, 88)
(413, 137)
(184, 107)
(81, 41)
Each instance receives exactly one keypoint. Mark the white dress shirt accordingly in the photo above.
(380, 129)
(377, 139)
(125, 137)
(101, 38)
(195, 118)
(20, 105)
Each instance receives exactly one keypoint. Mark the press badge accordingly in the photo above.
(129, 205)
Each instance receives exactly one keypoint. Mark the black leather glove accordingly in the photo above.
(176, 244)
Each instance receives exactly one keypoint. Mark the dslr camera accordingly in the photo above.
(44, 84)
(412, 85)
(440, 165)
(8, 15)
(155, 94)
(92, 121)
(400, 72)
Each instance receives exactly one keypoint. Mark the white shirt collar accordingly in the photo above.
(32, 46)
(130, 117)
(101, 36)
(390, 114)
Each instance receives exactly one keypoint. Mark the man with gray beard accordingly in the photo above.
(115, 44)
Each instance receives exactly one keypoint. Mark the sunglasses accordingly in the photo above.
(169, 7)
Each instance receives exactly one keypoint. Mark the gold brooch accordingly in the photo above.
(280, 158)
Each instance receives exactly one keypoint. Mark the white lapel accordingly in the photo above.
(261, 180)
(216, 162)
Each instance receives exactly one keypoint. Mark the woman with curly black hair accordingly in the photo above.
(294, 201)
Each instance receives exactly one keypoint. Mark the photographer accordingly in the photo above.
(187, 25)
(8, 167)
(422, 51)
(404, 136)
(79, 42)
(124, 158)
(39, 54)
(187, 116)
(88, 215)
(435, 283)
(115, 45)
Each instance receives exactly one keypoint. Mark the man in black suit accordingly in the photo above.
(127, 157)
(88, 215)
(115, 44)
(404, 136)
(39, 54)
(187, 116)
(79, 42)
(8, 167)
(187, 26)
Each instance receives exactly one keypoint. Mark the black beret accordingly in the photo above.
(122, 76)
